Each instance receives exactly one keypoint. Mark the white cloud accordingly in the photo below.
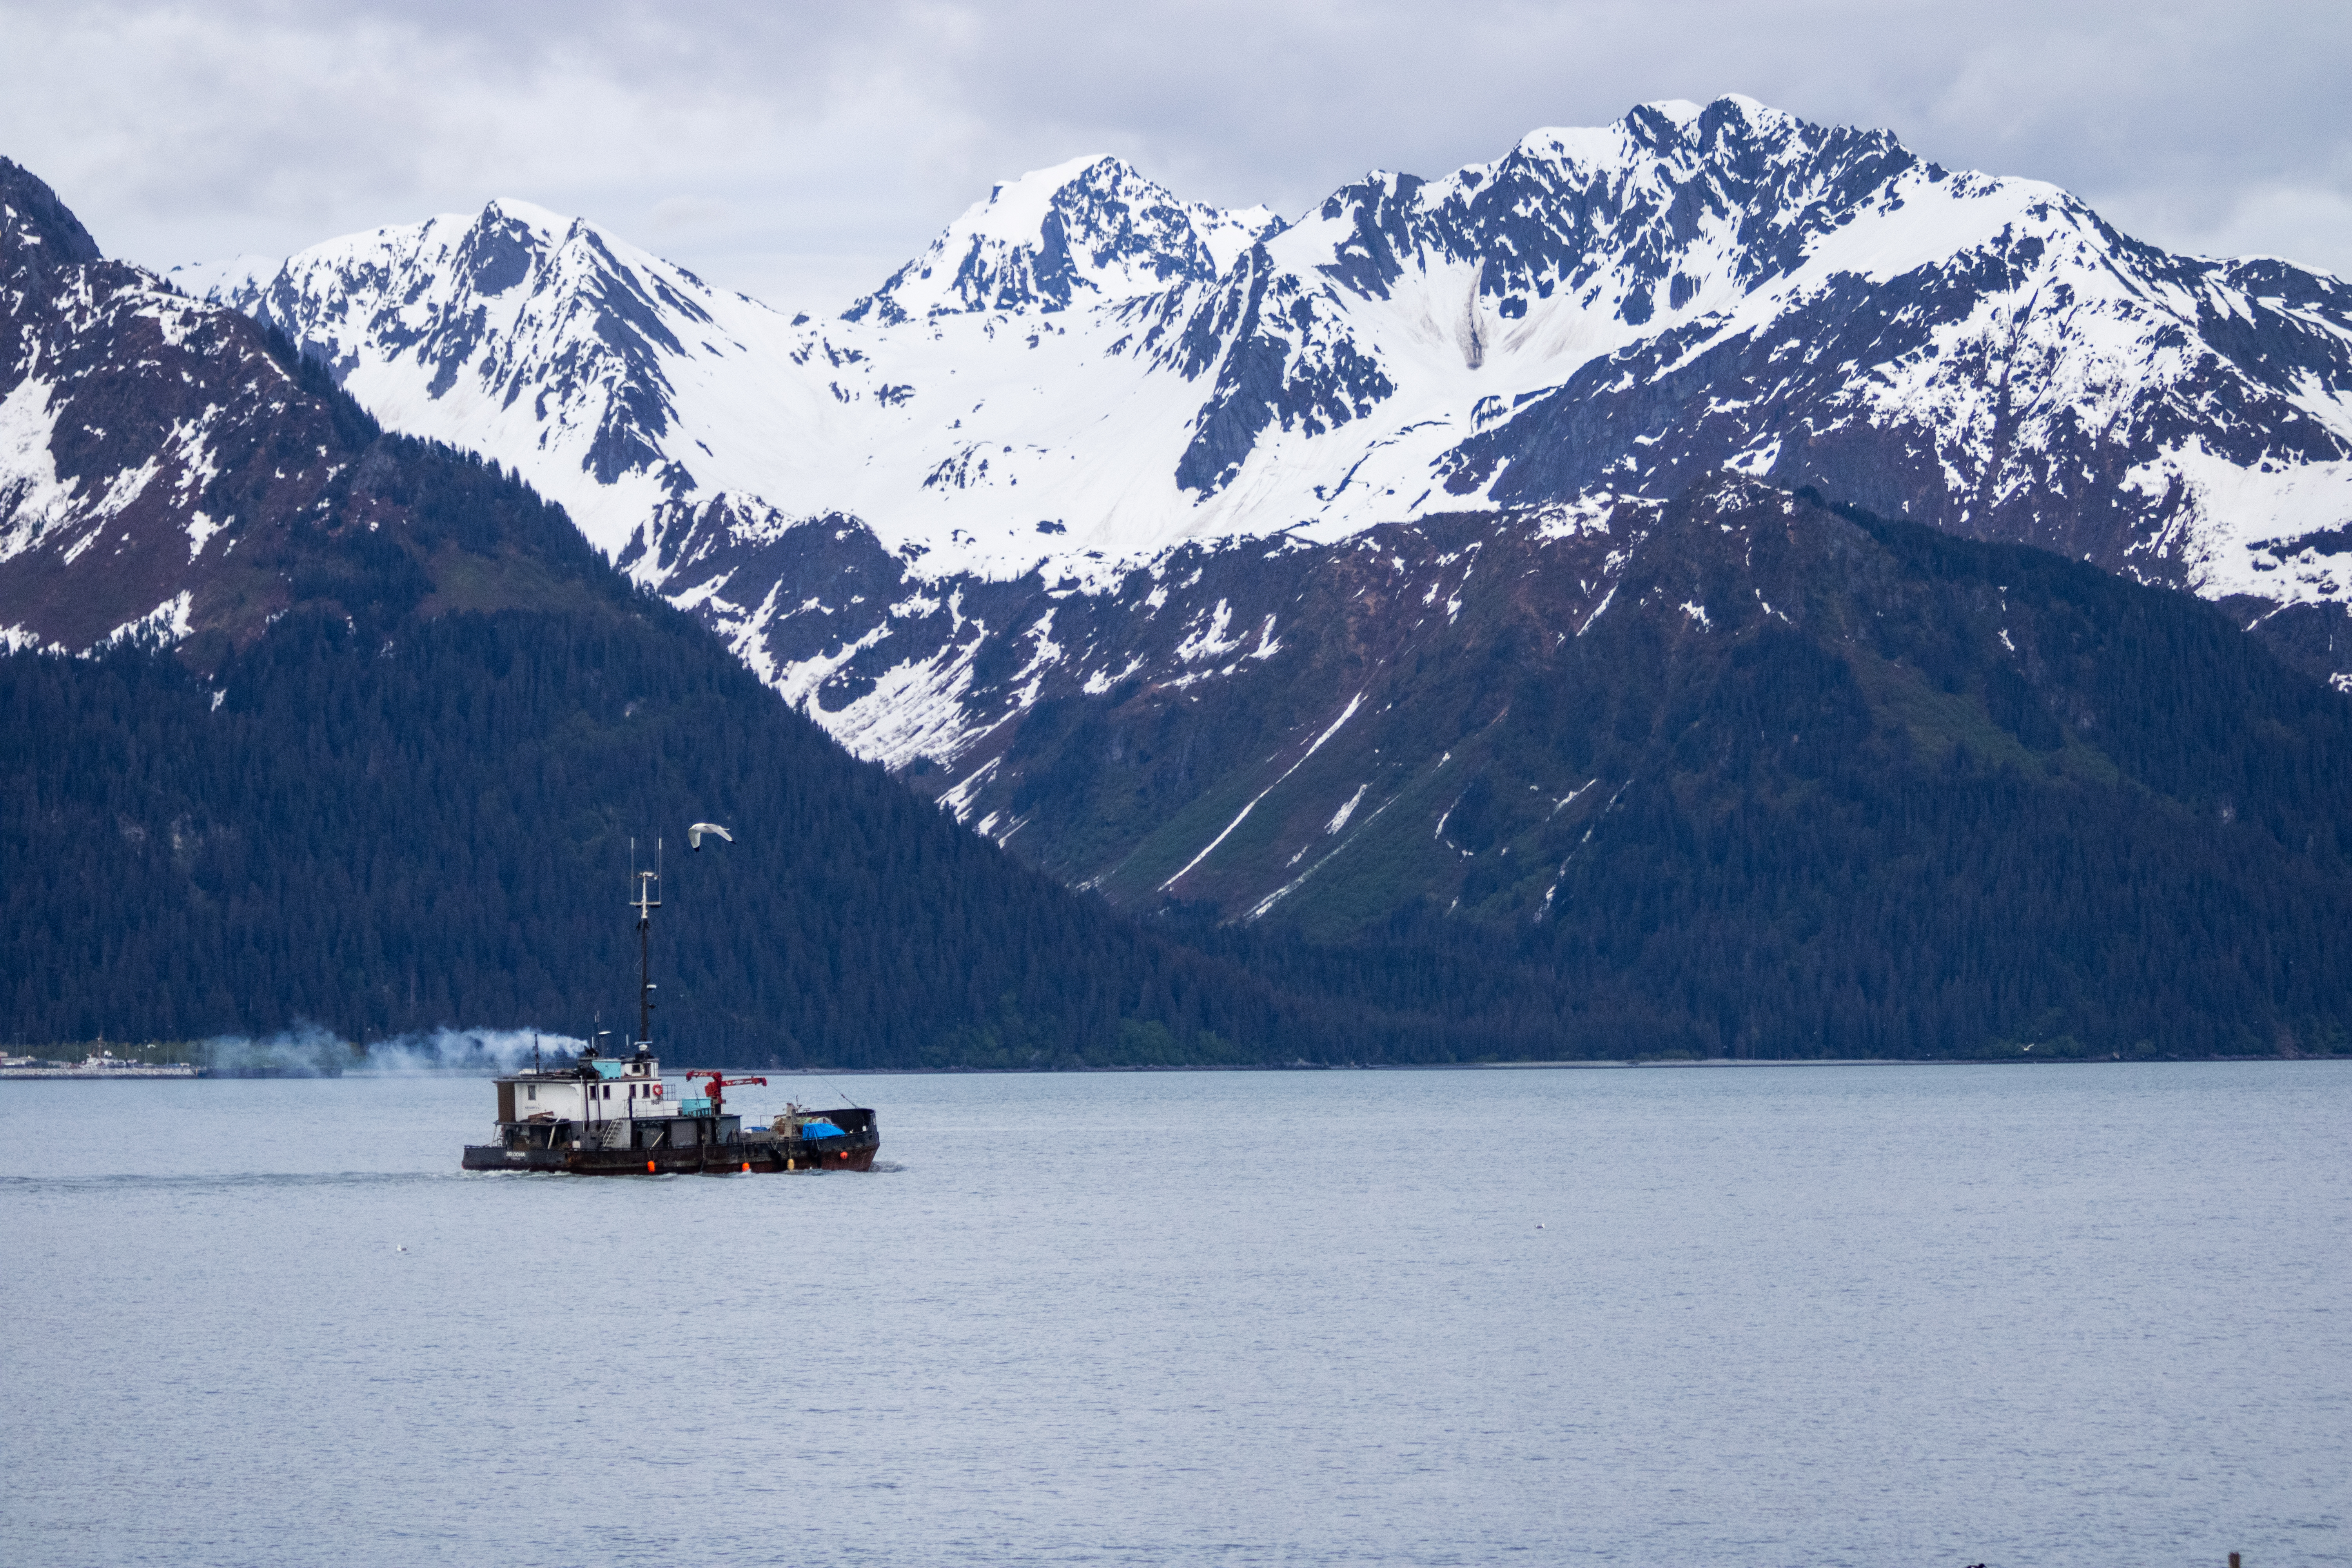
(800, 152)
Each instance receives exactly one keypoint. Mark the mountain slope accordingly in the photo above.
(153, 456)
(379, 763)
(434, 830)
(1791, 781)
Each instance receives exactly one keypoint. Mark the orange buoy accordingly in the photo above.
(747, 1167)
(649, 1167)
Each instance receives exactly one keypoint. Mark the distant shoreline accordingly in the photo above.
(1538, 1066)
(1627, 1065)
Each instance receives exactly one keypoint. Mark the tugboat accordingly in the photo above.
(614, 1116)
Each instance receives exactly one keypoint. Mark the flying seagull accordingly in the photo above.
(694, 834)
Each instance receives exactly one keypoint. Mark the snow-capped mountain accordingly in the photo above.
(153, 458)
(618, 382)
(169, 475)
(1028, 468)
(1605, 311)
(1089, 231)
(1456, 530)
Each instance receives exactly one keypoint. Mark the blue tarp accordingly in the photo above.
(821, 1129)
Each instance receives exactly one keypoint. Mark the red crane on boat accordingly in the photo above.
(719, 1085)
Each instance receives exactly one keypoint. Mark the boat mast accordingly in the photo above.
(644, 903)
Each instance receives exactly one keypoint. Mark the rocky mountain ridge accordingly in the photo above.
(166, 471)
(1088, 231)
(1084, 371)
(1058, 458)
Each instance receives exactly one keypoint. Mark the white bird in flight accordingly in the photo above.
(694, 834)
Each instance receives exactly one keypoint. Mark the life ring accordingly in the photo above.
(657, 1092)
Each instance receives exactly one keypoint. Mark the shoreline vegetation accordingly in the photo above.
(318, 1055)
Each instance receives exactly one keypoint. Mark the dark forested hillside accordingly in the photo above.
(379, 817)
(1796, 784)
(1813, 785)
(1960, 791)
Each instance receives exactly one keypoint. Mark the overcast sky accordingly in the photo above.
(798, 152)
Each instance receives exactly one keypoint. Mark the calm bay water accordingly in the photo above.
(1772, 1316)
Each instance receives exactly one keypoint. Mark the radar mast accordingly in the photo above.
(645, 901)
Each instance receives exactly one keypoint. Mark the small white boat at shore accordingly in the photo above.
(99, 1064)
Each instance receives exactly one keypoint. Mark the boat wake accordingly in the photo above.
(224, 1181)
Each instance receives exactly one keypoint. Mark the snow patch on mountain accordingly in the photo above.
(237, 276)
(166, 622)
(24, 639)
(2249, 531)
(34, 503)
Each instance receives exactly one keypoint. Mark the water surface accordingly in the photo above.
(1804, 1316)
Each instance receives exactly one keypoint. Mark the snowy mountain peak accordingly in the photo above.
(1086, 376)
(505, 245)
(1594, 235)
(524, 329)
(1089, 231)
(1681, 111)
(1734, 139)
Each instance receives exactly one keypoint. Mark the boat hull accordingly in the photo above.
(746, 1158)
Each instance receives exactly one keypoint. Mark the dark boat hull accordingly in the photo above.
(681, 1146)
(707, 1160)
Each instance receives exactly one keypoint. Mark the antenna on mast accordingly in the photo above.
(647, 884)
